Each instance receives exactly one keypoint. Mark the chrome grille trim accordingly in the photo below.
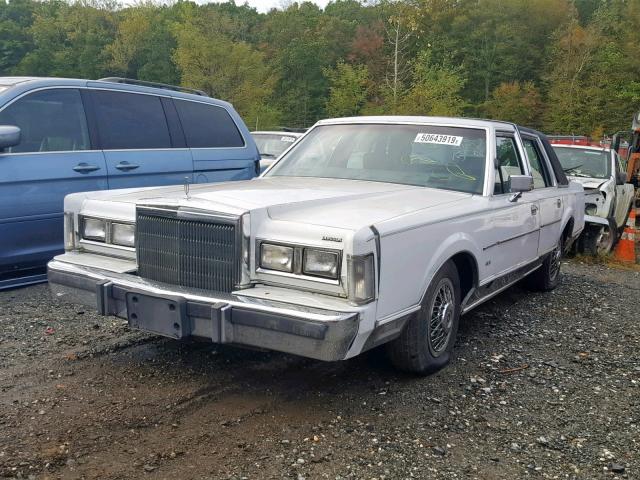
(188, 248)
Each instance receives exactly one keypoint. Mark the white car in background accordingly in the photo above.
(368, 231)
(273, 144)
(608, 198)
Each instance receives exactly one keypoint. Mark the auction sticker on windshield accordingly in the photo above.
(439, 139)
(288, 139)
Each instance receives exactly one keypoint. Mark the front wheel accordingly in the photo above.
(597, 240)
(426, 342)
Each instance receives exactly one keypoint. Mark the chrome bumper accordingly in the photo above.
(222, 318)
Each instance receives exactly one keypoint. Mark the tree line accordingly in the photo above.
(563, 66)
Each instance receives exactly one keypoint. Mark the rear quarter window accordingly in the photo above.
(207, 126)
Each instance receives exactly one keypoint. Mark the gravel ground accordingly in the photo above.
(542, 386)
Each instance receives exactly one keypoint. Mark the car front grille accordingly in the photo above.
(197, 253)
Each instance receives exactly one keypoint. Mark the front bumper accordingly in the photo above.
(222, 318)
(595, 220)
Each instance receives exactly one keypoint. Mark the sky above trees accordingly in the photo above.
(563, 66)
(263, 6)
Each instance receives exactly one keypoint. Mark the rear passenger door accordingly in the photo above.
(218, 149)
(546, 193)
(141, 139)
(514, 226)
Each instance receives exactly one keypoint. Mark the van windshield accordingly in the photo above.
(450, 158)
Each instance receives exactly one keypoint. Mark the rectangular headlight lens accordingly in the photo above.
(123, 234)
(320, 263)
(276, 257)
(94, 229)
(362, 278)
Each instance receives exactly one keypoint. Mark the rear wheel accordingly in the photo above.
(425, 344)
(547, 277)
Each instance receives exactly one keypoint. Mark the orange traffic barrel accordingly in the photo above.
(626, 247)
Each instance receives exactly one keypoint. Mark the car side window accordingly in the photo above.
(508, 162)
(539, 171)
(207, 126)
(130, 121)
(49, 120)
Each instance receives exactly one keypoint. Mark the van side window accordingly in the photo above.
(49, 120)
(508, 163)
(539, 171)
(130, 121)
(207, 126)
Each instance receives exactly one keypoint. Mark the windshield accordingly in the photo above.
(584, 162)
(272, 144)
(450, 158)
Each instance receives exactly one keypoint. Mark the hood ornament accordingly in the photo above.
(186, 188)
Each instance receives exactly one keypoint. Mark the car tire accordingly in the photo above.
(547, 277)
(425, 344)
(597, 241)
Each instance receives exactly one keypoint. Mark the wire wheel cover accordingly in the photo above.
(441, 315)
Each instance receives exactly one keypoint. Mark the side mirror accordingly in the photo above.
(520, 183)
(621, 178)
(9, 136)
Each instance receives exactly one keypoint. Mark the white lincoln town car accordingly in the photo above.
(368, 231)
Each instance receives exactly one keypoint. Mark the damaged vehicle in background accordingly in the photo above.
(368, 231)
(273, 144)
(608, 198)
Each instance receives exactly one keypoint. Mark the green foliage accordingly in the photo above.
(435, 89)
(516, 102)
(208, 60)
(348, 91)
(565, 66)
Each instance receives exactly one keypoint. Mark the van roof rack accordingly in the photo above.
(143, 83)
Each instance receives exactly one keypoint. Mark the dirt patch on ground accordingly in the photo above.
(542, 386)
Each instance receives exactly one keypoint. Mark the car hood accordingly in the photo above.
(348, 204)
(588, 182)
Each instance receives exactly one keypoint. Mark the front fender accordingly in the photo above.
(406, 277)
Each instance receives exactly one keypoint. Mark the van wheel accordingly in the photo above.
(547, 276)
(426, 342)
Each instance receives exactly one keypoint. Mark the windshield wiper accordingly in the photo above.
(567, 170)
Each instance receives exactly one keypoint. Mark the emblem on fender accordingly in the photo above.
(328, 238)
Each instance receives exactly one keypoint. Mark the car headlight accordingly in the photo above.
(362, 279)
(320, 263)
(94, 229)
(276, 257)
(123, 234)
(590, 208)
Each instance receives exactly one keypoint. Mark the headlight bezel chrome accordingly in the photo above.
(108, 240)
(298, 271)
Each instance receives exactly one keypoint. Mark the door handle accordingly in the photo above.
(534, 209)
(85, 168)
(126, 166)
(559, 203)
